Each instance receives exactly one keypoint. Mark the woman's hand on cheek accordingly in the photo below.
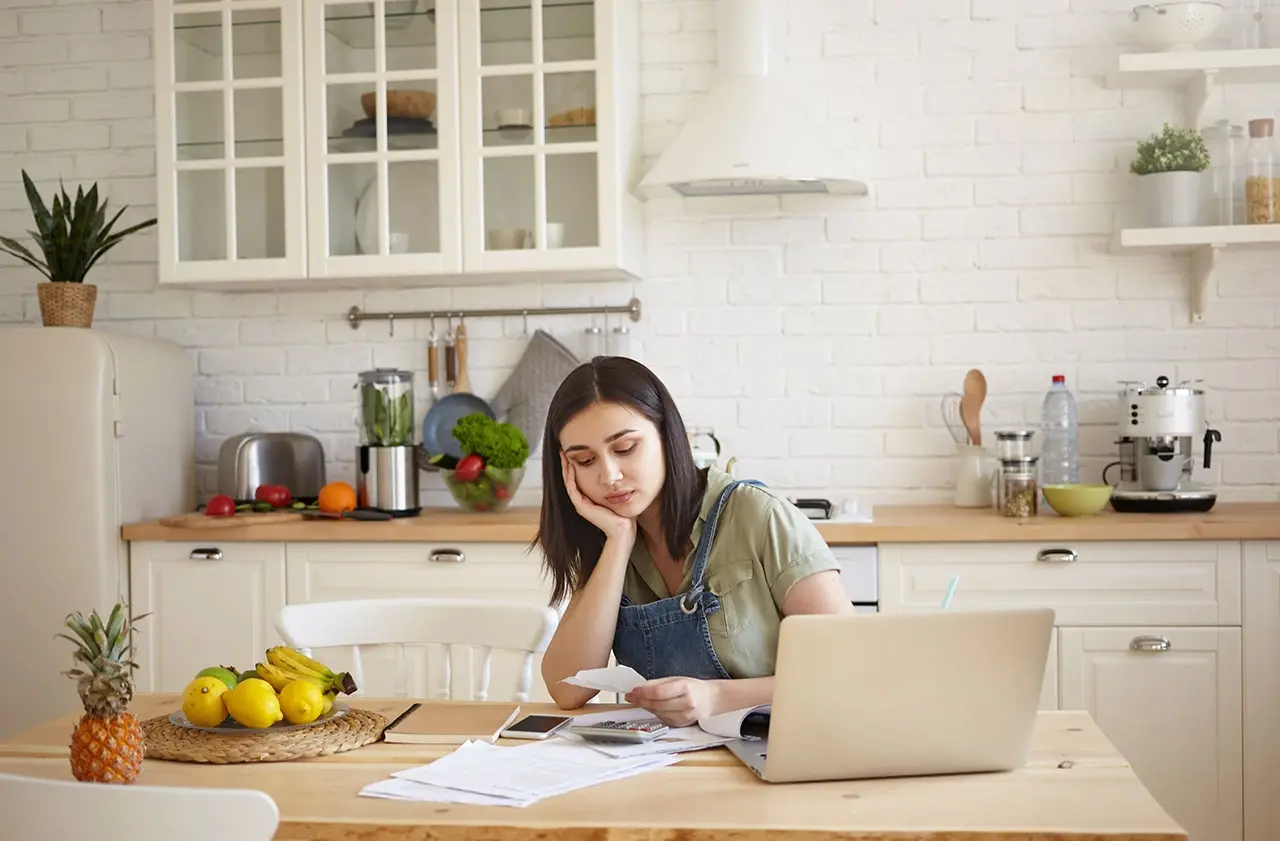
(678, 701)
(599, 516)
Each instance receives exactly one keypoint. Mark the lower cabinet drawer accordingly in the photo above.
(1086, 582)
(320, 572)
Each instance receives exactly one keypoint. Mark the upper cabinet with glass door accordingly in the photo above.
(231, 195)
(432, 140)
(550, 140)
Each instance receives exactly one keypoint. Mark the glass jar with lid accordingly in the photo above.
(386, 408)
(1015, 443)
(1017, 489)
(1223, 198)
(1260, 174)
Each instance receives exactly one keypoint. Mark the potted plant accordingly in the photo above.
(1170, 166)
(71, 237)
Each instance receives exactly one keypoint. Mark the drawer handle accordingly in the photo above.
(1150, 644)
(1057, 556)
(448, 556)
(208, 554)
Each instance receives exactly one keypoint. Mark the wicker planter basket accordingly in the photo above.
(67, 304)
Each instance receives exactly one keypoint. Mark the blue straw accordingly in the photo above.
(951, 591)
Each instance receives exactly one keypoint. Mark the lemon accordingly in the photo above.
(253, 703)
(202, 702)
(301, 701)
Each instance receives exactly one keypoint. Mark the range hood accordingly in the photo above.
(752, 135)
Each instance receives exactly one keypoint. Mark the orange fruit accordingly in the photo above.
(337, 497)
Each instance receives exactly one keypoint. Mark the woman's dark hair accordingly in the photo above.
(572, 545)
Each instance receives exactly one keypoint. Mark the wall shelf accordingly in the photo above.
(1200, 73)
(1203, 243)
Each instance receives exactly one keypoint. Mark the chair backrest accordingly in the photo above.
(52, 810)
(474, 625)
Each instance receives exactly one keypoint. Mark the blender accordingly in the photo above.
(386, 459)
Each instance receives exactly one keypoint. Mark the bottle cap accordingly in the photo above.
(1059, 378)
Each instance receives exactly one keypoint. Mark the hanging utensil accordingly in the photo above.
(433, 363)
(450, 359)
(463, 376)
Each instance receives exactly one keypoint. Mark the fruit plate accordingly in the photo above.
(231, 727)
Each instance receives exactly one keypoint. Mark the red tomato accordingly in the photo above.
(501, 492)
(468, 469)
(220, 506)
(277, 496)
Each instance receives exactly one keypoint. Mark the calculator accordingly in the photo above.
(626, 732)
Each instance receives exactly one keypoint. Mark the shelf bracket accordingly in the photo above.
(1204, 262)
(1199, 90)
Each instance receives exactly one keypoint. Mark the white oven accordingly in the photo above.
(858, 575)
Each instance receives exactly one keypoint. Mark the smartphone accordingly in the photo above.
(622, 732)
(536, 726)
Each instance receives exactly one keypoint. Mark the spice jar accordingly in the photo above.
(1018, 492)
(1260, 180)
(1015, 443)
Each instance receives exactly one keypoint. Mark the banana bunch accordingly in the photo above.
(285, 665)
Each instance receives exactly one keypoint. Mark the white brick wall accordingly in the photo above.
(824, 332)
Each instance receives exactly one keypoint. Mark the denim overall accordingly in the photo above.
(670, 637)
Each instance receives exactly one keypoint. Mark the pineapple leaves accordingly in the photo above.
(72, 234)
(77, 623)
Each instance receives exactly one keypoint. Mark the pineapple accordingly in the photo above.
(107, 743)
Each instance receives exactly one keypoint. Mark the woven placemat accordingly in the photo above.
(166, 740)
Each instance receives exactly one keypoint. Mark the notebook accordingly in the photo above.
(451, 723)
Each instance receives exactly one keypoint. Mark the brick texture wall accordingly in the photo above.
(815, 336)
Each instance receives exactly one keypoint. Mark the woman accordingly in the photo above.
(683, 574)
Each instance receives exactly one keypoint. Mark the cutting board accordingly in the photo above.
(200, 520)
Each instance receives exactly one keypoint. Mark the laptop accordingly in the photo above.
(863, 696)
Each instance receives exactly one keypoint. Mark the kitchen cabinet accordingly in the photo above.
(1261, 690)
(208, 604)
(1169, 699)
(1148, 639)
(419, 140)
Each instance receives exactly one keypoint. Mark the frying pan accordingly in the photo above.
(437, 426)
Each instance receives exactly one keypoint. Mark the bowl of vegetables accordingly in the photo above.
(492, 464)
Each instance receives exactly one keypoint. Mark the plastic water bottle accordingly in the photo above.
(1059, 459)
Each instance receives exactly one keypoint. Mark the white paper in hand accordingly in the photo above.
(620, 679)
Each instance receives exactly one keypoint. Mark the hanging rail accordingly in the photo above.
(355, 315)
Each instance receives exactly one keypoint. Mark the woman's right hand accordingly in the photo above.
(615, 527)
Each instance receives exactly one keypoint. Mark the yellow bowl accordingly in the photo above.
(1077, 500)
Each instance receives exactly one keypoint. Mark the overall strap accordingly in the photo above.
(689, 602)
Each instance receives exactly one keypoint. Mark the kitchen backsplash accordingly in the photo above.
(815, 336)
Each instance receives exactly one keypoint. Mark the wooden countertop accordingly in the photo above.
(893, 524)
(1076, 785)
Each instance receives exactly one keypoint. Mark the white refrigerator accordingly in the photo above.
(96, 430)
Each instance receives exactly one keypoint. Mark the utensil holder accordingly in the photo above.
(975, 477)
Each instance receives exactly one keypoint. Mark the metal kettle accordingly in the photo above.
(705, 447)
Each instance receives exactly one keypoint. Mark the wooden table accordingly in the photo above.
(1075, 787)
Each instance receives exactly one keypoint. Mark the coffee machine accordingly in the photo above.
(1158, 427)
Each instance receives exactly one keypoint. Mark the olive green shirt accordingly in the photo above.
(763, 545)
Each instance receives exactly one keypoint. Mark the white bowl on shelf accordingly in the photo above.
(1176, 26)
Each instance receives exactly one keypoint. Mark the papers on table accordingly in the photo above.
(482, 774)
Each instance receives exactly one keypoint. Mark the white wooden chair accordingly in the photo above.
(37, 809)
(472, 625)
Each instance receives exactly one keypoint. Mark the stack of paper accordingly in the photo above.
(482, 774)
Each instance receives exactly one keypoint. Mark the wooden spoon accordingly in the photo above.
(464, 376)
(975, 392)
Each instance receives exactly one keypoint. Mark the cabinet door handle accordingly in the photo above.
(448, 556)
(211, 553)
(1057, 556)
(1160, 643)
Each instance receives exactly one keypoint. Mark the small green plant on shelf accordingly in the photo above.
(1171, 150)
